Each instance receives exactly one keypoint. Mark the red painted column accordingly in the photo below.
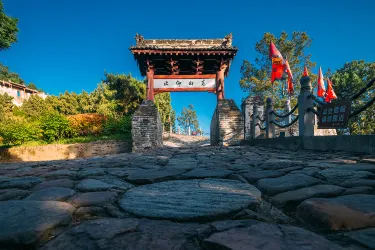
(220, 83)
(150, 84)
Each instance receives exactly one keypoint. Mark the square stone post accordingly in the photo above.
(147, 128)
(270, 127)
(255, 130)
(306, 120)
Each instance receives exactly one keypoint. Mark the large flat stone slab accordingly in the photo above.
(151, 176)
(60, 173)
(264, 236)
(116, 183)
(51, 194)
(291, 199)
(12, 194)
(85, 235)
(336, 177)
(186, 200)
(66, 183)
(93, 199)
(26, 223)
(253, 176)
(200, 173)
(358, 183)
(90, 172)
(20, 182)
(92, 185)
(128, 234)
(273, 186)
(341, 213)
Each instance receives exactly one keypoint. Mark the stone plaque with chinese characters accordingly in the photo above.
(184, 84)
(334, 115)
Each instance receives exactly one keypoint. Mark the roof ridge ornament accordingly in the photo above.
(140, 40)
(228, 40)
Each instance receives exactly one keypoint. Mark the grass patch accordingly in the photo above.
(81, 139)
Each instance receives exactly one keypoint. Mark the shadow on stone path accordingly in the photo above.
(191, 197)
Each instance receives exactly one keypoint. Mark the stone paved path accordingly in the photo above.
(198, 197)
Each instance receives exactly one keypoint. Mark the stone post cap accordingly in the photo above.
(305, 84)
(147, 103)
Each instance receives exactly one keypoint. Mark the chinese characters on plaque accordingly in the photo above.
(334, 115)
(185, 84)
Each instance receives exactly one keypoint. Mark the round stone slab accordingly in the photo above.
(187, 200)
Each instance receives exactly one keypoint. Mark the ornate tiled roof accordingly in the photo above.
(184, 44)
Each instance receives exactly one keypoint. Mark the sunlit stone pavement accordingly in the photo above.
(196, 197)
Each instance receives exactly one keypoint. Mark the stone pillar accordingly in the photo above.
(287, 109)
(147, 128)
(227, 124)
(306, 120)
(255, 130)
(270, 127)
(247, 110)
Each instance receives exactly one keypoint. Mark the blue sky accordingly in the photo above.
(67, 44)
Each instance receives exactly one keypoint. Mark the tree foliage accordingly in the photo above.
(163, 103)
(188, 119)
(8, 29)
(107, 110)
(256, 77)
(7, 75)
(129, 92)
(6, 105)
(347, 81)
(173, 121)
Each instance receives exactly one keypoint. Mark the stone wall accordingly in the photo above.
(147, 129)
(349, 143)
(227, 124)
(214, 129)
(64, 151)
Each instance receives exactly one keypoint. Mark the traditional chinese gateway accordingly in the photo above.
(176, 65)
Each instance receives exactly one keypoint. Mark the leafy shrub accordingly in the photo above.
(16, 131)
(87, 124)
(55, 126)
(118, 125)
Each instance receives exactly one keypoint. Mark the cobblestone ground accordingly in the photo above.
(197, 197)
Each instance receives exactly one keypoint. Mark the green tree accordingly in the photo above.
(54, 126)
(188, 119)
(102, 101)
(34, 107)
(7, 75)
(173, 121)
(8, 29)
(256, 77)
(129, 91)
(6, 105)
(347, 81)
(163, 103)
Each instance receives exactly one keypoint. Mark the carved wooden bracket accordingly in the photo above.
(149, 66)
(173, 67)
(198, 66)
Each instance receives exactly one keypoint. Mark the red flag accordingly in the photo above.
(290, 78)
(321, 88)
(274, 52)
(305, 72)
(277, 72)
(330, 93)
